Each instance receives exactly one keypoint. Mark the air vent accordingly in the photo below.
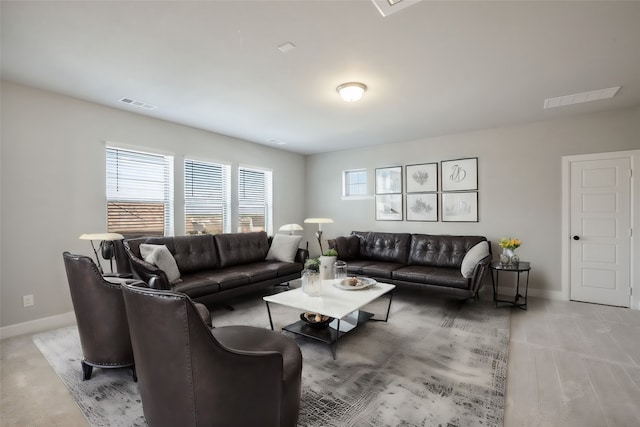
(387, 7)
(286, 47)
(138, 104)
(578, 98)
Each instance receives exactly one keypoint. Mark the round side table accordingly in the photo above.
(497, 267)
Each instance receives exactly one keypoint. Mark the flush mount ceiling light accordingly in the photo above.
(351, 91)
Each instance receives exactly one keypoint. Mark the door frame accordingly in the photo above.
(565, 235)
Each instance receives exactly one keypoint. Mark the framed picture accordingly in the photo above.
(389, 207)
(422, 207)
(389, 180)
(460, 175)
(422, 178)
(460, 207)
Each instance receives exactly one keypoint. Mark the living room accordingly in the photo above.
(53, 165)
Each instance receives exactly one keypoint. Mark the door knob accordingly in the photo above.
(576, 237)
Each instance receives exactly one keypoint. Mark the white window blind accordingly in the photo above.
(207, 197)
(139, 193)
(254, 200)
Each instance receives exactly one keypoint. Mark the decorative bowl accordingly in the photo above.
(310, 319)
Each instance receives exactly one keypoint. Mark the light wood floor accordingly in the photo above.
(570, 364)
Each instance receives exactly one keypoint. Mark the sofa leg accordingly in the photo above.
(227, 306)
(86, 371)
(134, 374)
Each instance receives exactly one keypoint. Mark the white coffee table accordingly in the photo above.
(343, 305)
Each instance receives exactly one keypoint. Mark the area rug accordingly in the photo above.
(437, 362)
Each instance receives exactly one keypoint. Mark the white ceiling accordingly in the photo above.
(433, 68)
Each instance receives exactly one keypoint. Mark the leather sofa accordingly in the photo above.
(214, 268)
(453, 264)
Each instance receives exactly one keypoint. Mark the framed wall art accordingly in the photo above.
(460, 174)
(460, 207)
(422, 178)
(422, 207)
(389, 207)
(389, 180)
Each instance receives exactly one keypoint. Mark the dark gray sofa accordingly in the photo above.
(215, 267)
(433, 261)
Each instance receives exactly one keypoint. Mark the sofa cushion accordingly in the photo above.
(440, 276)
(380, 269)
(196, 285)
(473, 257)
(440, 250)
(284, 248)
(388, 247)
(195, 253)
(160, 256)
(241, 248)
(348, 247)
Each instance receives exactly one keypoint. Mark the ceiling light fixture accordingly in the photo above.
(351, 91)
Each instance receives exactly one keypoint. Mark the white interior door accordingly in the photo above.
(600, 224)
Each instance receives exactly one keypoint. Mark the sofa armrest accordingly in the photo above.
(147, 272)
(302, 255)
(478, 274)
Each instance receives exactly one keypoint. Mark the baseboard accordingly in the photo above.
(552, 295)
(38, 325)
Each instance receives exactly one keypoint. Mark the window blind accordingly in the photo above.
(207, 197)
(139, 193)
(254, 200)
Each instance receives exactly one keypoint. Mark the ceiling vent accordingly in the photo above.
(581, 97)
(139, 104)
(387, 7)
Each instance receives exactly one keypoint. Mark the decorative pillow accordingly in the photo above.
(472, 257)
(160, 256)
(284, 248)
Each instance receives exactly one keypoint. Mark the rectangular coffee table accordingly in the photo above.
(343, 305)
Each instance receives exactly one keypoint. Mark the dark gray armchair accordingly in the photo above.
(191, 375)
(100, 315)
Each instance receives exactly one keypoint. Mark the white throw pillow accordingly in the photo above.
(284, 248)
(472, 257)
(160, 256)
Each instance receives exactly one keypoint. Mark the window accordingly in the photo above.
(254, 200)
(139, 193)
(206, 197)
(354, 183)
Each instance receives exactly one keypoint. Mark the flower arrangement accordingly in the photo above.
(509, 243)
(312, 264)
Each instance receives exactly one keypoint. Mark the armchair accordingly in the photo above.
(100, 315)
(191, 375)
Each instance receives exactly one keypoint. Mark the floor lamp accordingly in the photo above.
(103, 237)
(319, 221)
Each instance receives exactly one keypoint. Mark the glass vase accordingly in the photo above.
(311, 283)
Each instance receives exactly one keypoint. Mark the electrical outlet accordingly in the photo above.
(27, 300)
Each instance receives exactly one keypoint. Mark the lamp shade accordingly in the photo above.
(101, 236)
(318, 220)
(351, 91)
(291, 227)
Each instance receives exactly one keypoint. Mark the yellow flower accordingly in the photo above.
(509, 243)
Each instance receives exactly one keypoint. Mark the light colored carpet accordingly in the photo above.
(437, 362)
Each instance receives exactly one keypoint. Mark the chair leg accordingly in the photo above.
(86, 371)
(134, 375)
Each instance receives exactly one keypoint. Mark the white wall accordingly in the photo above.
(52, 184)
(52, 181)
(520, 183)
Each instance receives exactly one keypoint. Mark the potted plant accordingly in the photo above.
(328, 258)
